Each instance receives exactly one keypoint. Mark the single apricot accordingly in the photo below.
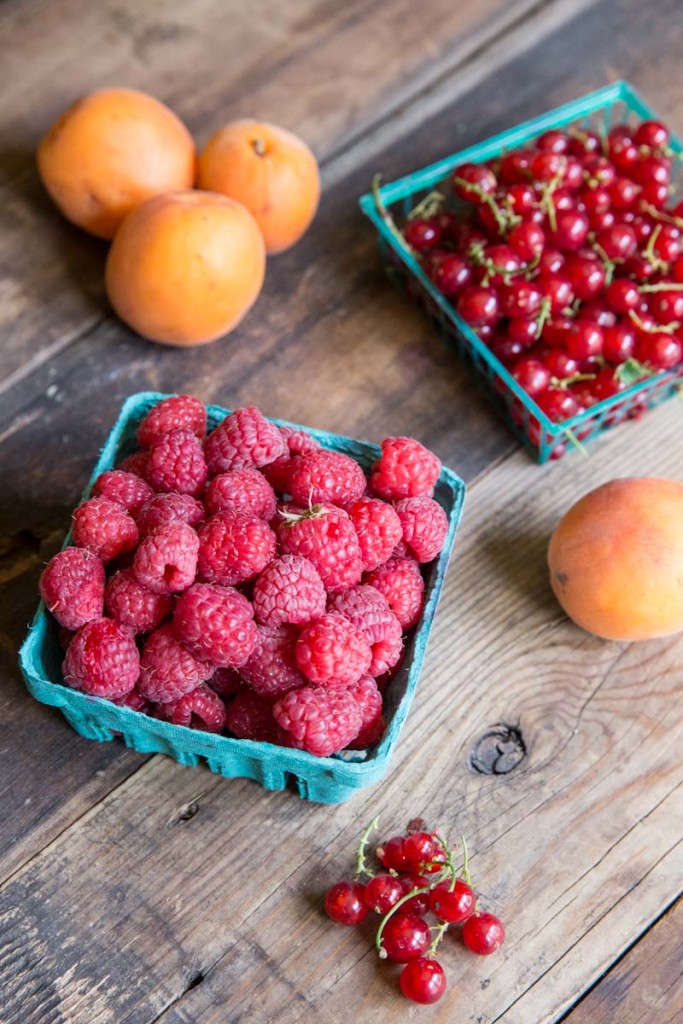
(109, 152)
(268, 169)
(184, 268)
(616, 559)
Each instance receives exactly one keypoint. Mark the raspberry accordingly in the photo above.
(169, 508)
(405, 469)
(125, 489)
(250, 717)
(135, 464)
(180, 412)
(369, 700)
(167, 669)
(378, 528)
(105, 528)
(272, 669)
(133, 700)
(332, 652)
(425, 526)
(176, 463)
(166, 561)
(102, 660)
(298, 443)
(234, 547)
(289, 590)
(401, 583)
(225, 682)
(325, 476)
(319, 721)
(241, 490)
(72, 587)
(216, 623)
(369, 611)
(132, 605)
(325, 535)
(200, 709)
(245, 439)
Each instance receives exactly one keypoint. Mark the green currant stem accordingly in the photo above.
(658, 214)
(547, 204)
(662, 286)
(608, 264)
(649, 250)
(465, 861)
(387, 217)
(361, 866)
(575, 441)
(663, 328)
(439, 932)
(478, 191)
(543, 318)
(566, 382)
(428, 206)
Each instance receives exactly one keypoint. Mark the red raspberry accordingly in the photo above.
(369, 699)
(72, 587)
(234, 547)
(378, 528)
(167, 669)
(272, 669)
(332, 652)
(180, 412)
(298, 443)
(169, 508)
(325, 535)
(326, 476)
(250, 717)
(135, 464)
(226, 682)
(369, 612)
(425, 526)
(166, 561)
(216, 623)
(319, 721)
(401, 583)
(200, 709)
(133, 700)
(134, 606)
(125, 489)
(244, 440)
(289, 590)
(241, 490)
(176, 463)
(102, 660)
(405, 469)
(105, 528)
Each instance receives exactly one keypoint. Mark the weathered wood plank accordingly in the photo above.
(646, 986)
(578, 849)
(324, 69)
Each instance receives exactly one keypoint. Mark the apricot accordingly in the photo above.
(268, 169)
(184, 268)
(616, 559)
(109, 152)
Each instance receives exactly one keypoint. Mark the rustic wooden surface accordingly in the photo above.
(113, 907)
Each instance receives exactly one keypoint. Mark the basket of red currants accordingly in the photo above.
(551, 258)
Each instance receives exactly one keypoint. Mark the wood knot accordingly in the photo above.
(498, 751)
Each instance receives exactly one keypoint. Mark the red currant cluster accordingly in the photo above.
(565, 258)
(419, 877)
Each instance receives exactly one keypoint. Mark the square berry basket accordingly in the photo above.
(544, 439)
(320, 779)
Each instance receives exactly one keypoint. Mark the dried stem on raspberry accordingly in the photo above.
(361, 865)
(312, 512)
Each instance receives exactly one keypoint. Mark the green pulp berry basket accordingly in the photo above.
(324, 780)
(597, 111)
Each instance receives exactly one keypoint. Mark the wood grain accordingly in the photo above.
(646, 986)
(578, 849)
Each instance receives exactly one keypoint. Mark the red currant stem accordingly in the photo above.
(528, 268)
(657, 214)
(386, 216)
(449, 864)
(475, 254)
(563, 383)
(478, 191)
(604, 142)
(512, 218)
(663, 328)
(608, 264)
(439, 931)
(390, 913)
(575, 441)
(547, 204)
(543, 317)
(361, 866)
(662, 286)
(649, 250)
(465, 872)
(428, 206)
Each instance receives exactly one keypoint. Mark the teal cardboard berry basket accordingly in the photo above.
(596, 111)
(320, 779)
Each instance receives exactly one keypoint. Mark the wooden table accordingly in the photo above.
(134, 890)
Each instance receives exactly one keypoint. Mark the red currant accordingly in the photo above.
(532, 375)
(667, 306)
(667, 244)
(483, 934)
(554, 140)
(558, 404)
(619, 343)
(523, 330)
(478, 306)
(419, 904)
(506, 349)
(551, 261)
(515, 167)
(382, 892)
(405, 937)
(423, 981)
(653, 134)
(584, 340)
(453, 905)
(478, 175)
(598, 312)
(652, 169)
(623, 193)
(451, 274)
(419, 847)
(527, 240)
(391, 856)
(599, 171)
(521, 198)
(344, 903)
(561, 365)
(661, 351)
(421, 234)
(587, 275)
(571, 231)
(521, 298)
(557, 289)
(622, 295)
(617, 242)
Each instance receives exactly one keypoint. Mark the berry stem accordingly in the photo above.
(661, 286)
(575, 441)
(543, 317)
(656, 214)
(439, 932)
(547, 204)
(478, 191)
(428, 206)
(361, 866)
(465, 872)
(663, 328)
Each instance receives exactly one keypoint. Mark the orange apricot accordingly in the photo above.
(184, 268)
(616, 559)
(109, 152)
(268, 169)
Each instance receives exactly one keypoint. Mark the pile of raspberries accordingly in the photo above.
(249, 581)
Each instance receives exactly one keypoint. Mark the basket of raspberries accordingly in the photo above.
(248, 592)
(551, 258)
